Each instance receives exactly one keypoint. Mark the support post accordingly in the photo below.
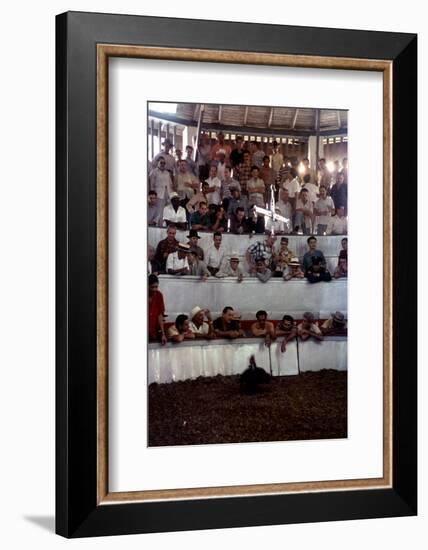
(317, 129)
(198, 131)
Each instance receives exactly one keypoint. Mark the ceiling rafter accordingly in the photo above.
(245, 116)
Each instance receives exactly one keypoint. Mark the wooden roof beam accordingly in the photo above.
(196, 111)
(270, 117)
(245, 116)
(293, 125)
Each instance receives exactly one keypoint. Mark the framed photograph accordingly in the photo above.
(220, 360)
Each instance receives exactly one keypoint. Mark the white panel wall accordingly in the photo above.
(277, 297)
(189, 360)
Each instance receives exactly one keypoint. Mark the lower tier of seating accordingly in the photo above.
(191, 359)
(276, 297)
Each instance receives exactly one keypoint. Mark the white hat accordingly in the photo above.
(195, 311)
(294, 262)
(184, 247)
(173, 195)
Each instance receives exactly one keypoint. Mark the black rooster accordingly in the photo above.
(252, 377)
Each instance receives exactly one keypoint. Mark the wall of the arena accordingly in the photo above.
(189, 360)
(277, 297)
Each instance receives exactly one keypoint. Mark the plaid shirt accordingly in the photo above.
(244, 174)
(260, 251)
(283, 171)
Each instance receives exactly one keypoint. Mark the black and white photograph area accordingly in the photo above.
(247, 248)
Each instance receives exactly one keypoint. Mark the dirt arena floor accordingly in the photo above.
(312, 405)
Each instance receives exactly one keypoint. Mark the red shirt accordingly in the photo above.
(156, 308)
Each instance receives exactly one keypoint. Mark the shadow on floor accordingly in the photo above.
(45, 522)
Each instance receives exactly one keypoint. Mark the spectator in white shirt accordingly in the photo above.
(292, 184)
(221, 165)
(323, 209)
(169, 159)
(285, 207)
(215, 186)
(277, 159)
(161, 181)
(312, 188)
(338, 223)
(304, 211)
(256, 188)
(177, 263)
(186, 183)
(174, 213)
(201, 323)
(323, 174)
(232, 269)
(215, 255)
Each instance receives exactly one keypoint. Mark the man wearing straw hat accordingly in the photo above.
(201, 323)
(231, 269)
(336, 323)
(294, 270)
